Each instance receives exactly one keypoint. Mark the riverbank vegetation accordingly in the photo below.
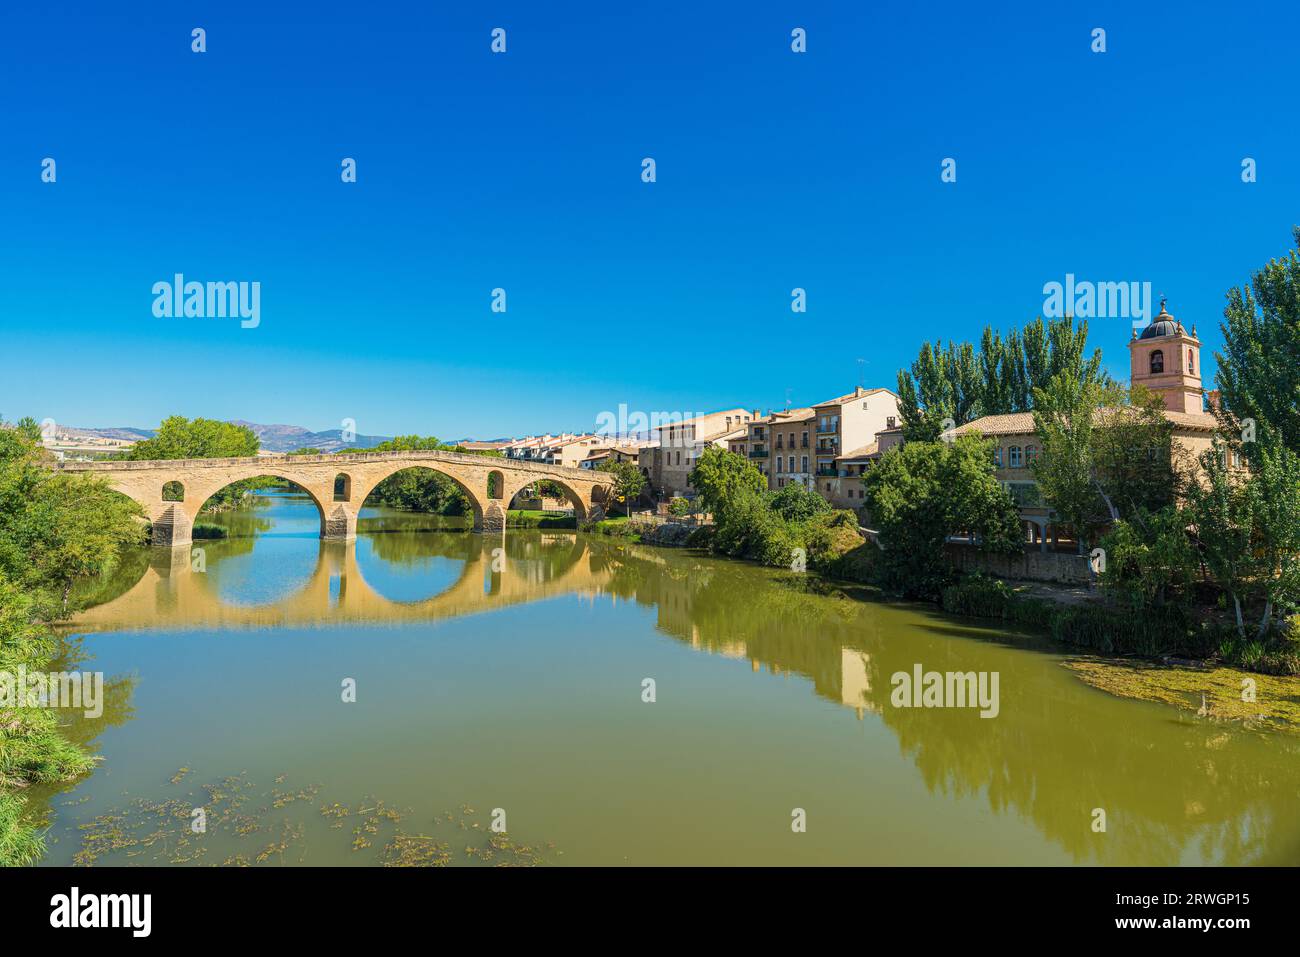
(55, 529)
(792, 527)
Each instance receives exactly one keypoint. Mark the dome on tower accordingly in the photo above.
(1163, 325)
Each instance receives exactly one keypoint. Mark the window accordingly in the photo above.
(803, 443)
(173, 492)
(890, 422)
(1014, 453)
(1031, 454)
(778, 458)
(1191, 361)
(804, 466)
(780, 437)
(997, 457)
(343, 487)
(1157, 361)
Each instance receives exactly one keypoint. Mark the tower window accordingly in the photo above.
(1157, 361)
(1191, 361)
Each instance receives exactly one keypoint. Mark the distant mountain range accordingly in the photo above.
(290, 438)
(274, 438)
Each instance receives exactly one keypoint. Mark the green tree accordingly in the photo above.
(921, 494)
(1064, 418)
(959, 384)
(181, 438)
(1259, 368)
(795, 503)
(719, 476)
(29, 427)
(1150, 561)
(53, 528)
(1248, 532)
(626, 480)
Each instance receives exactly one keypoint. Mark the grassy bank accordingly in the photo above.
(533, 518)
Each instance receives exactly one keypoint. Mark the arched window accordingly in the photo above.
(1191, 361)
(173, 492)
(342, 487)
(495, 485)
(1014, 454)
(1157, 361)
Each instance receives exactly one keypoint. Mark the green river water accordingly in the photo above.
(505, 673)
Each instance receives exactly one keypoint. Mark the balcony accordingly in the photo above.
(758, 454)
(823, 472)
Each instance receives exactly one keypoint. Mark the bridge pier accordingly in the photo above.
(171, 527)
(339, 524)
(493, 520)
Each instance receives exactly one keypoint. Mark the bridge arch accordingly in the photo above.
(299, 484)
(476, 500)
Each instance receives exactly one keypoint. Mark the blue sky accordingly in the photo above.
(522, 171)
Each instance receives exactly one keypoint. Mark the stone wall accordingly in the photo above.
(1033, 565)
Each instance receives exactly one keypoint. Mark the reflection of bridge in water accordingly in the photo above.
(1223, 795)
(498, 571)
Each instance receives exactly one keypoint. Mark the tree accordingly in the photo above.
(1248, 531)
(719, 476)
(53, 528)
(796, 503)
(1136, 463)
(1150, 561)
(1107, 454)
(627, 481)
(923, 493)
(960, 384)
(181, 438)
(1259, 368)
(1064, 418)
(29, 427)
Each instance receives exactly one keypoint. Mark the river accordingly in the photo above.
(503, 678)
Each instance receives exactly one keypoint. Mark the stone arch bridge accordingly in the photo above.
(338, 484)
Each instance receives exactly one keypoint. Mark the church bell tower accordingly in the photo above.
(1166, 358)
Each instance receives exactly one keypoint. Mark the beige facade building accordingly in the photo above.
(668, 465)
